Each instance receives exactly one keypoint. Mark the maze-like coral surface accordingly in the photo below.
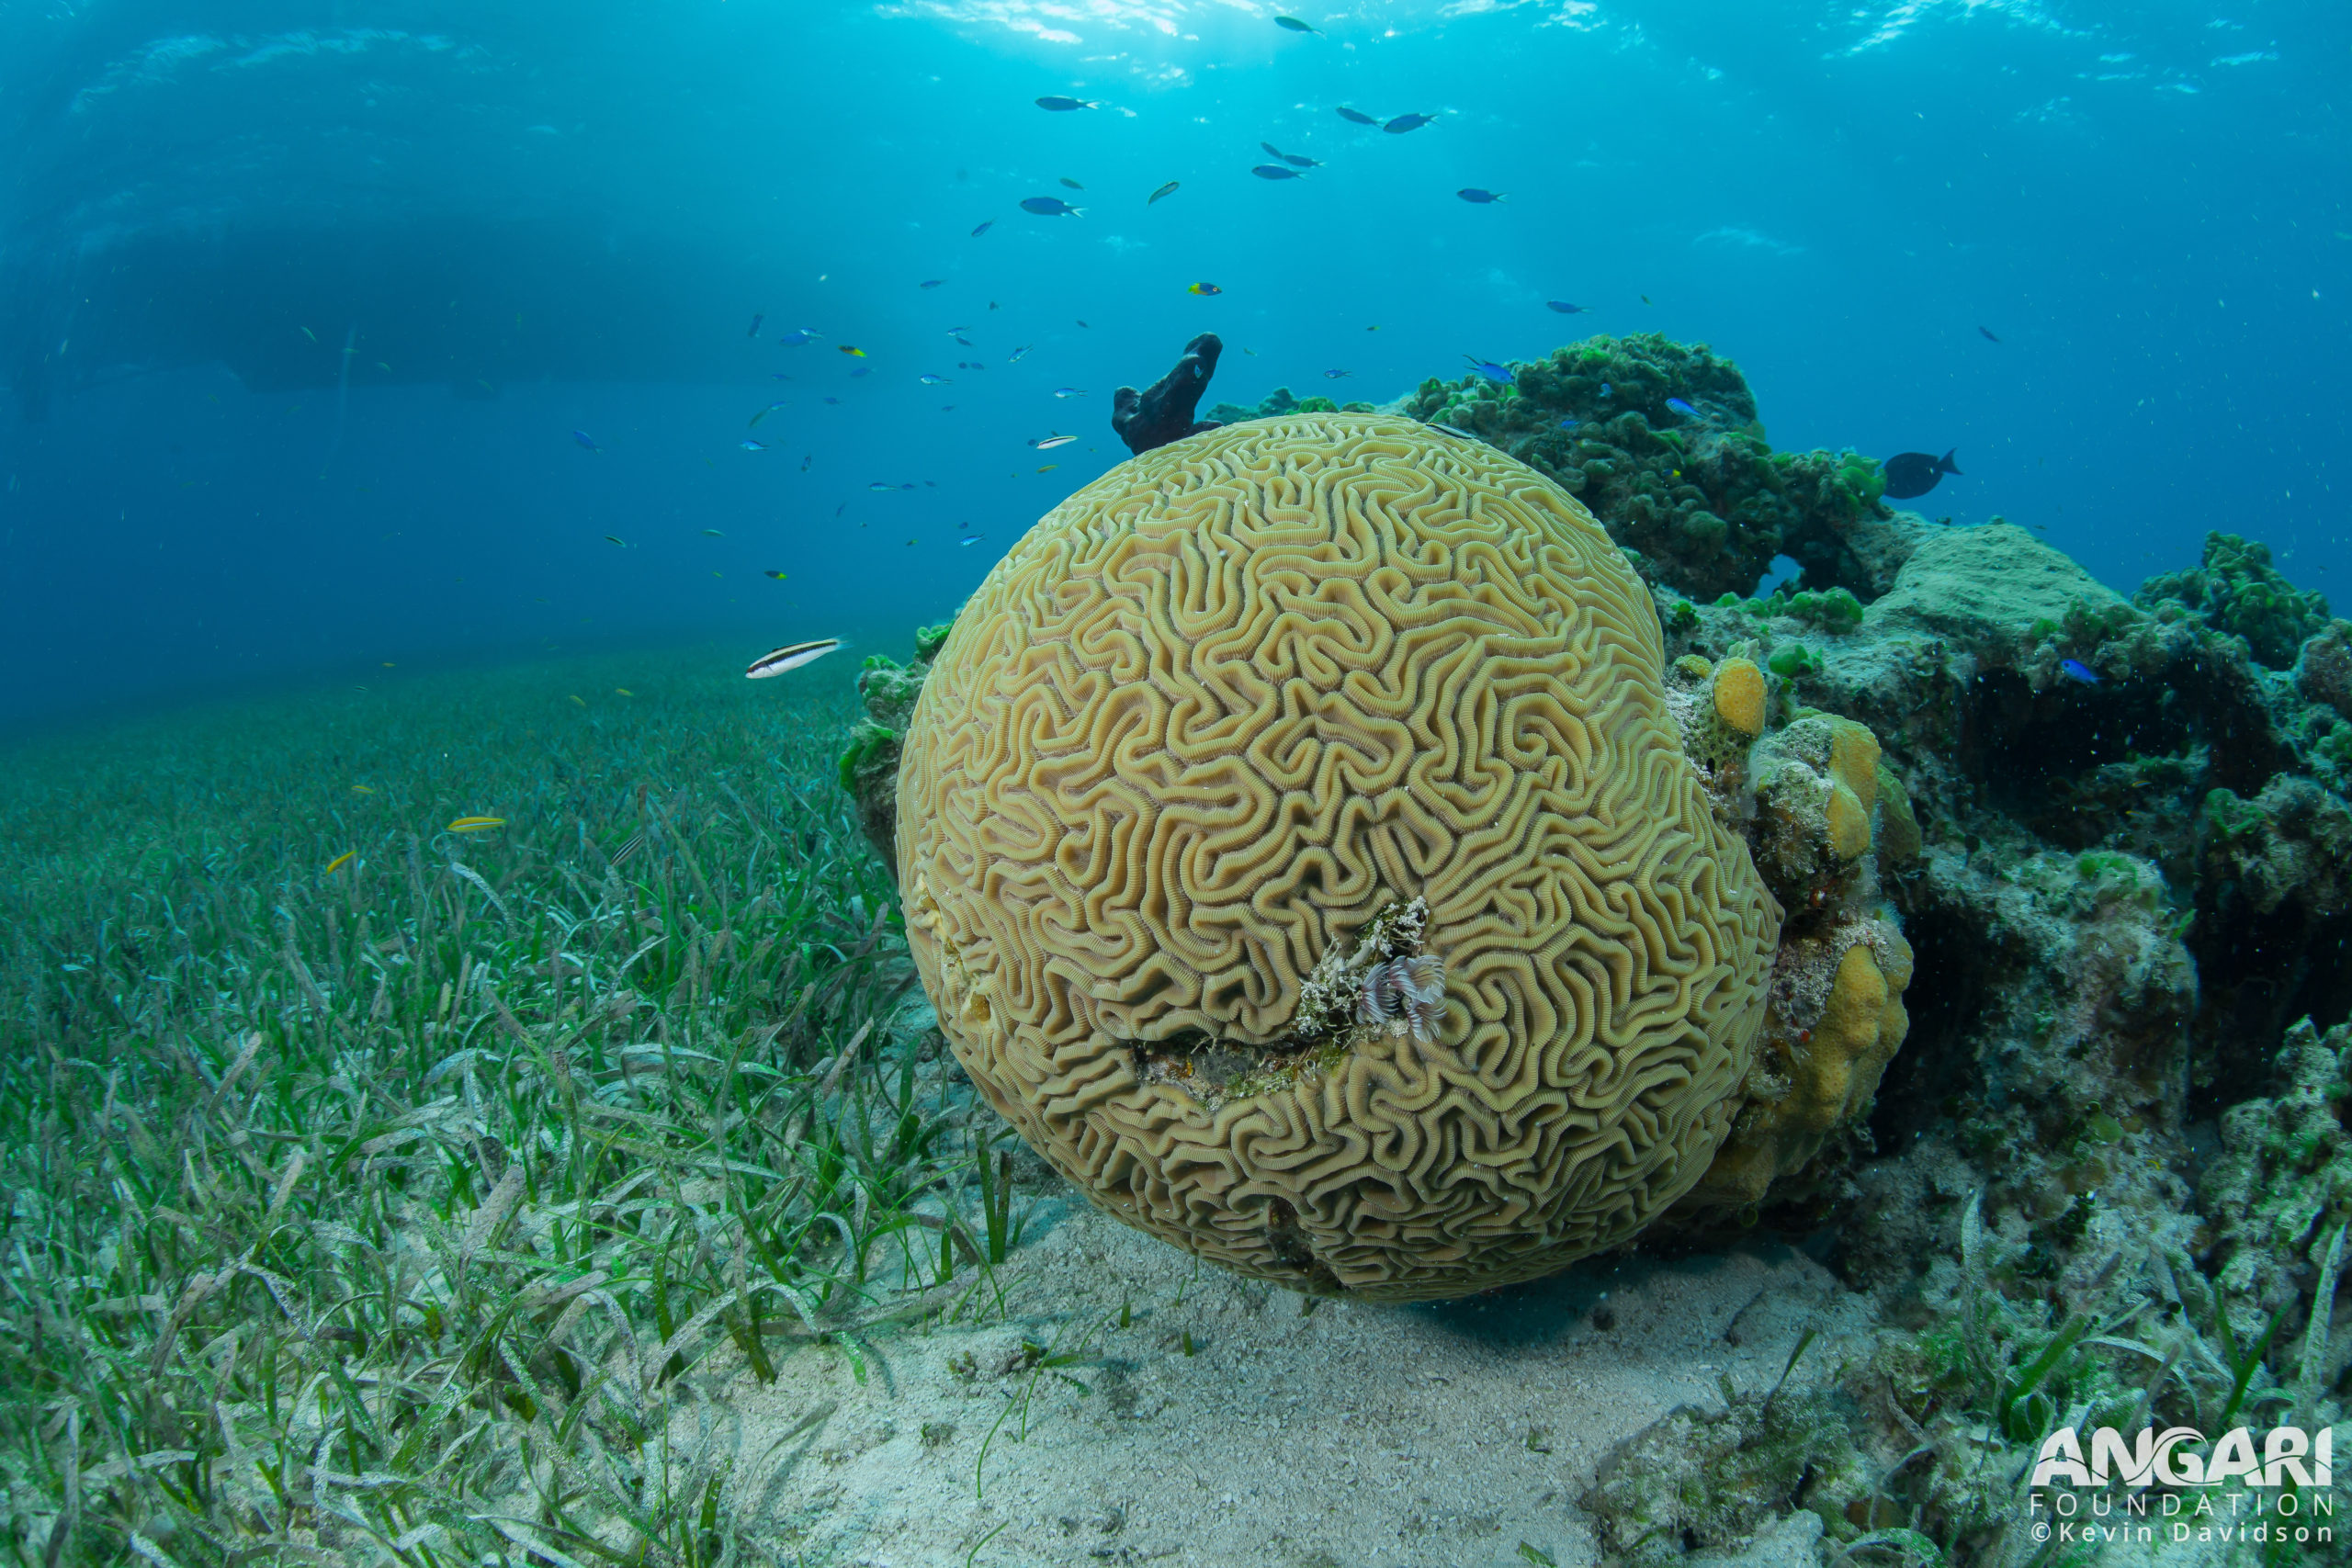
(1213, 716)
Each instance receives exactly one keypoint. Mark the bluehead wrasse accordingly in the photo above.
(476, 824)
(616, 539)
(577, 700)
(340, 861)
(853, 351)
(634, 842)
(1047, 443)
(777, 575)
(309, 334)
(624, 691)
(1171, 188)
(791, 656)
(361, 789)
(714, 532)
(1049, 467)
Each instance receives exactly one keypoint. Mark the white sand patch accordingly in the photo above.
(1385, 1437)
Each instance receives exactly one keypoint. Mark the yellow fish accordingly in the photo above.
(577, 700)
(1049, 467)
(624, 691)
(340, 862)
(859, 353)
(476, 824)
(361, 789)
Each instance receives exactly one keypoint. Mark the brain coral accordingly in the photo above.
(1225, 746)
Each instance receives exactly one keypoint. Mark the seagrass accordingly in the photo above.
(1215, 712)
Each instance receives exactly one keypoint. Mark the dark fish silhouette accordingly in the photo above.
(1274, 172)
(1988, 334)
(1564, 307)
(1060, 104)
(1404, 122)
(1293, 24)
(755, 326)
(984, 227)
(1473, 193)
(1910, 474)
(1356, 117)
(1051, 207)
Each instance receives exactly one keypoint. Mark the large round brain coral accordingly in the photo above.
(1299, 852)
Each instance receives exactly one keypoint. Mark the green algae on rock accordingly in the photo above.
(1703, 498)
(869, 763)
(2237, 590)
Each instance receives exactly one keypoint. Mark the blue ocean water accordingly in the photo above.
(345, 334)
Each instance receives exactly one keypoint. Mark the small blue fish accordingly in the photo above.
(935, 382)
(1404, 122)
(1678, 406)
(1060, 104)
(1293, 24)
(756, 445)
(1356, 117)
(1071, 183)
(970, 539)
(930, 283)
(1015, 357)
(1604, 390)
(1337, 374)
(1274, 172)
(755, 326)
(2075, 669)
(985, 226)
(1564, 307)
(798, 336)
(583, 439)
(1472, 193)
(835, 401)
(1490, 370)
(1070, 391)
(1051, 207)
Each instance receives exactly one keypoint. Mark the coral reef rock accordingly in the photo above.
(2236, 590)
(1979, 587)
(869, 765)
(1700, 496)
(1237, 729)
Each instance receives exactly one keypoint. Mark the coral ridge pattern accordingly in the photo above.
(1238, 704)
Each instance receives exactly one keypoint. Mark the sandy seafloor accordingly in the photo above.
(1354, 1436)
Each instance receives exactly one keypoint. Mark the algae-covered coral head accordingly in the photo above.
(1229, 741)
